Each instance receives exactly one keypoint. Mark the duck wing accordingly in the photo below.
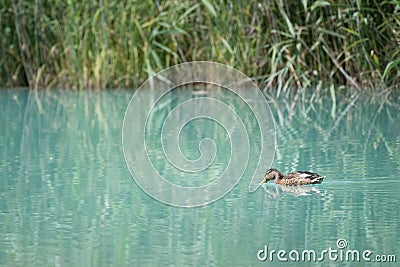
(306, 177)
(309, 175)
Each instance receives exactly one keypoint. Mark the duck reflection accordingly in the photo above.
(276, 190)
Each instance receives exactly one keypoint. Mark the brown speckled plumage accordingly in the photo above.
(293, 178)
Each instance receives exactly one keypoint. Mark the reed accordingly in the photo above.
(282, 45)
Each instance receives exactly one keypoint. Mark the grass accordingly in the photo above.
(282, 45)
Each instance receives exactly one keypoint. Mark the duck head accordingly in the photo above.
(271, 174)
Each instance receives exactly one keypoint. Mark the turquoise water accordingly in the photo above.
(68, 199)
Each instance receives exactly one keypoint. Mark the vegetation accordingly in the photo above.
(280, 44)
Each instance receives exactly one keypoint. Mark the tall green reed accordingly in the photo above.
(282, 45)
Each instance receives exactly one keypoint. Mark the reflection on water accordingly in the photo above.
(275, 190)
(67, 198)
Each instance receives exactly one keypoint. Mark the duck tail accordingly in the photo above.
(317, 180)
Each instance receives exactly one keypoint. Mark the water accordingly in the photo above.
(67, 197)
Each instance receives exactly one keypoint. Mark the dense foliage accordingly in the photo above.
(281, 44)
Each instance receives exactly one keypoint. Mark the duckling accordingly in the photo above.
(293, 178)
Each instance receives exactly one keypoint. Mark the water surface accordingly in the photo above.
(68, 199)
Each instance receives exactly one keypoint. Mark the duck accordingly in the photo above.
(293, 178)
